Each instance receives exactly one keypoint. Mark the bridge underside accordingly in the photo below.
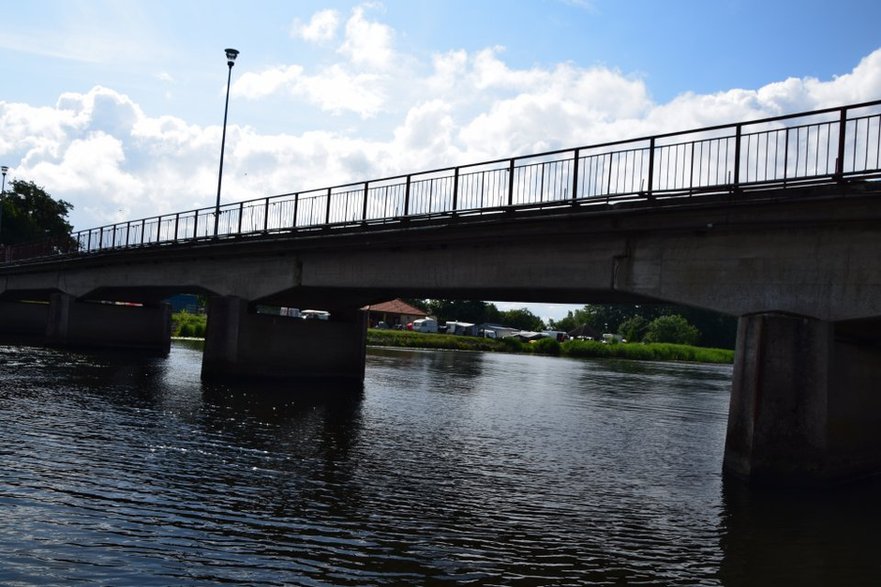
(807, 288)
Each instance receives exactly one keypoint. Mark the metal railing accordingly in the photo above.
(822, 146)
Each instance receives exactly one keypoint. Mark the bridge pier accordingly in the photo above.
(805, 404)
(240, 344)
(71, 323)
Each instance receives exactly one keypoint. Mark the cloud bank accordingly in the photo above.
(101, 152)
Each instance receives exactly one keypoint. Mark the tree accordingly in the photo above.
(672, 328)
(523, 319)
(634, 328)
(29, 213)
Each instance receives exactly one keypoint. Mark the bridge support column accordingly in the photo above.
(805, 404)
(23, 322)
(94, 325)
(242, 345)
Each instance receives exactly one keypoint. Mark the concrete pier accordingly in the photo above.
(241, 344)
(72, 323)
(805, 408)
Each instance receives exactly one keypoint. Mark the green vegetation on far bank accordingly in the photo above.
(547, 346)
(189, 325)
(186, 325)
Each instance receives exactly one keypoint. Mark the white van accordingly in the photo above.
(425, 325)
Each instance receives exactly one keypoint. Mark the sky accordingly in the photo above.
(116, 106)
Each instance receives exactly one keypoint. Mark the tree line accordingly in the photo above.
(635, 323)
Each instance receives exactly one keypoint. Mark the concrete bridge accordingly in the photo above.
(775, 221)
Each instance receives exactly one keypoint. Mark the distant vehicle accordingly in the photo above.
(461, 328)
(424, 325)
(612, 338)
(314, 315)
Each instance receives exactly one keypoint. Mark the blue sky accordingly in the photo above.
(116, 106)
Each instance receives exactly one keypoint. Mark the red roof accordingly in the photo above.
(397, 307)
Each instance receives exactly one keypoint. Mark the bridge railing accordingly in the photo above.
(821, 146)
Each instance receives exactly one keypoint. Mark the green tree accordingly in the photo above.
(672, 328)
(634, 328)
(521, 318)
(473, 311)
(29, 214)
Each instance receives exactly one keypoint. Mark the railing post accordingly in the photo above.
(407, 198)
(455, 189)
(737, 135)
(89, 241)
(143, 229)
(364, 207)
(128, 230)
(241, 213)
(575, 165)
(113, 240)
(296, 209)
(196, 225)
(651, 182)
(176, 224)
(842, 130)
(511, 183)
(266, 216)
(101, 238)
(327, 216)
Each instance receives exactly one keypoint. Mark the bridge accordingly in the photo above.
(774, 220)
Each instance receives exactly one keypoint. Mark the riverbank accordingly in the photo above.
(189, 326)
(547, 346)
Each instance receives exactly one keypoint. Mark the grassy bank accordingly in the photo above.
(188, 325)
(573, 348)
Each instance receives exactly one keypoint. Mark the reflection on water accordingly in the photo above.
(445, 468)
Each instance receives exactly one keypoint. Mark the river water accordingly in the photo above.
(448, 468)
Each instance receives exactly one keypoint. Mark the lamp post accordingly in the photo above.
(4, 169)
(231, 55)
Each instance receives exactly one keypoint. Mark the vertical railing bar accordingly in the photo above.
(196, 225)
(327, 215)
(738, 131)
(842, 131)
(364, 205)
(455, 190)
(407, 196)
(266, 215)
(576, 164)
(511, 183)
(651, 178)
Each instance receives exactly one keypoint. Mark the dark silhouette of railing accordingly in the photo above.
(796, 150)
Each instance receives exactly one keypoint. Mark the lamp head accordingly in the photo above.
(231, 55)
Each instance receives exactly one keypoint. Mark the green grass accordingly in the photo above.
(547, 346)
(186, 325)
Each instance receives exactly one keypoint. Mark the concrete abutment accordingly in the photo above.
(805, 401)
(66, 322)
(243, 345)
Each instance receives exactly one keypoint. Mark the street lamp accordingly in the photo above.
(4, 169)
(231, 55)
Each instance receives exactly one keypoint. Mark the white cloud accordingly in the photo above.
(100, 151)
(321, 27)
(368, 43)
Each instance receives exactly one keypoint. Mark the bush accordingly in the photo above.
(672, 329)
(545, 346)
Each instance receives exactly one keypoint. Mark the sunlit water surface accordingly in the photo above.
(484, 469)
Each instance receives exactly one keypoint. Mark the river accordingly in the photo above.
(448, 468)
